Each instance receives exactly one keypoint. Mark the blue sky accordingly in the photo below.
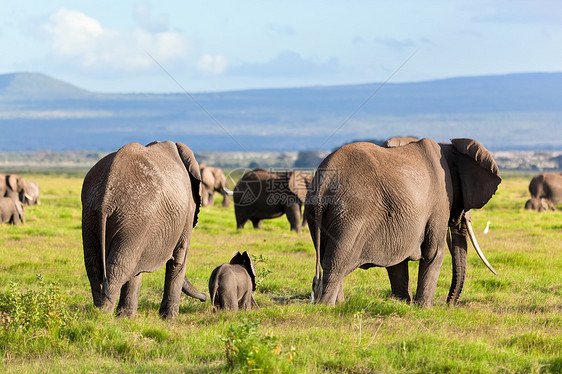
(112, 46)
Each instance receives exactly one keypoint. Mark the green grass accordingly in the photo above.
(508, 323)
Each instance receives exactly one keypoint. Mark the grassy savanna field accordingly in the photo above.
(508, 323)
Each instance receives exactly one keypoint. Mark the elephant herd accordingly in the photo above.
(546, 192)
(15, 192)
(366, 206)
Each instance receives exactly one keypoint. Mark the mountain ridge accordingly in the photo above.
(40, 112)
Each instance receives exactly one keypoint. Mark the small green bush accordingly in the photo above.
(25, 310)
(249, 350)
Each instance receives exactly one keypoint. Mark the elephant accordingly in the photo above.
(231, 285)
(213, 180)
(30, 193)
(11, 185)
(546, 191)
(262, 194)
(139, 206)
(373, 206)
(11, 211)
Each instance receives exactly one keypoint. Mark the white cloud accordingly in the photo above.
(142, 13)
(213, 65)
(78, 36)
(285, 64)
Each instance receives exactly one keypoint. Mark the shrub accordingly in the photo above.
(25, 310)
(249, 350)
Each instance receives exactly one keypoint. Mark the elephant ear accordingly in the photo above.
(245, 260)
(250, 268)
(236, 259)
(298, 185)
(207, 176)
(478, 173)
(15, 182)
(192, 167)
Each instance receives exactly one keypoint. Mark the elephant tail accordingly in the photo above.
(316, 283)
(103, 224)
(214, 286)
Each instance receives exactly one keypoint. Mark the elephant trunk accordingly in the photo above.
(189, 290)
(457, 242)
(225, 194)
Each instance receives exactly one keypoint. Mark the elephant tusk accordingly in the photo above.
(228, 192)
(477, 247)
(28, 197)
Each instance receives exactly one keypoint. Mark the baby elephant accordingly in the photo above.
(231, 284)
(11, 211)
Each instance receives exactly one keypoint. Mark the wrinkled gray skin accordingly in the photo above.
(12, 186)
(213, 180)
(11, 211)
(139, 206)
(373, 206)
(262, 194)
(30, 193)
(546, 191)
(231, 285)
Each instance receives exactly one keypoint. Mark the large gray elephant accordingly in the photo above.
(231, 285)
(139, 206)
(546, 191)
(373, 206)
(213, 180)
(11, 211)
(263, 194)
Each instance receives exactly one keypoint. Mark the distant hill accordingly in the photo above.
(35, 86)
(516, 111)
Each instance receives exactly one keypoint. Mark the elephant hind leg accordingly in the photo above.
(92, 261)
(400, 281)
(293, 213)
(240, 219)
(175, 276)
(129, 298)
(332, 291)
(257, 223)
(428, 275)
(227, 299)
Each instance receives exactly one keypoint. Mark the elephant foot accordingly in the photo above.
(168, 313)
(106, 305)
(424, 303)
(126, 312)
(407, 298)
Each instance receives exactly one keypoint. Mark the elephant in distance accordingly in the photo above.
(546, 191)
(372, 206)
(213, 180)
(231, 285)
(263, 194)
(11, 211)
(139, 206)
(30, 193)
